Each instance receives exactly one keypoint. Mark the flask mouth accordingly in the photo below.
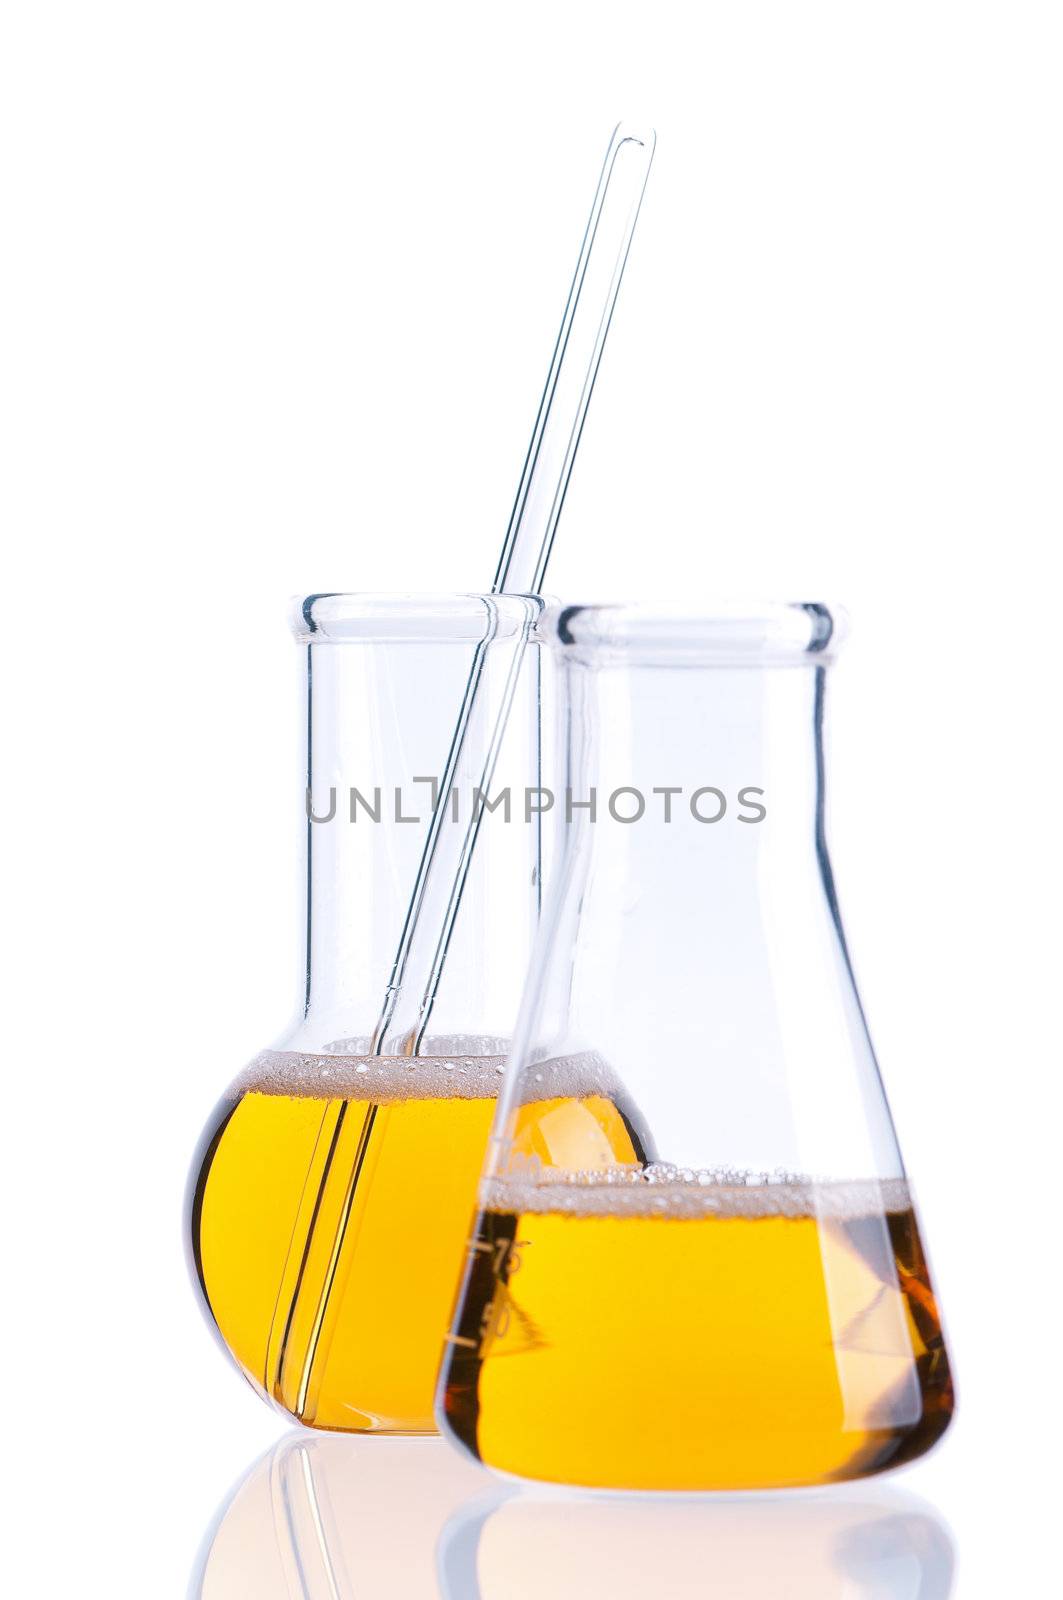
(736, 633)
(375, 618)
(731, 633)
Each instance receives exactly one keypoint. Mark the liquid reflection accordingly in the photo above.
(329, 1517)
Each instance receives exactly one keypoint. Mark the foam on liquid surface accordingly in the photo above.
(678, 1193)
(453, 1075)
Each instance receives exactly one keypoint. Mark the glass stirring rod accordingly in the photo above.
(304, 1318)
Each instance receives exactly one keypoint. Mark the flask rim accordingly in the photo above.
(379, 617)
(731, 633)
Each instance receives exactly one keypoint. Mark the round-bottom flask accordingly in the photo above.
(331, 1194)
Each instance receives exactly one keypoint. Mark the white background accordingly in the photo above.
(280, 282)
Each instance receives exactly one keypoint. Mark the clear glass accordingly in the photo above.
(330, 1196)
(717, 1280)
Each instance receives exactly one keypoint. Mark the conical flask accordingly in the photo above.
(742, 1299)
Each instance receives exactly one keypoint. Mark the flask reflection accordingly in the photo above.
(330, 1517)
(839, 1544)
(327, 1517)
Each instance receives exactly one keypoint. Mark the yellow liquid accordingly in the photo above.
(682, 1338)
(330, 1215)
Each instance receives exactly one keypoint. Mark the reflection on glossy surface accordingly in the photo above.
(833, 1544)
(330, 1517)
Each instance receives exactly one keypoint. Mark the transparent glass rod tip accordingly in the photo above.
(574, 366)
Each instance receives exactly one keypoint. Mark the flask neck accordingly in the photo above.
(379, 717)
(696, 766)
